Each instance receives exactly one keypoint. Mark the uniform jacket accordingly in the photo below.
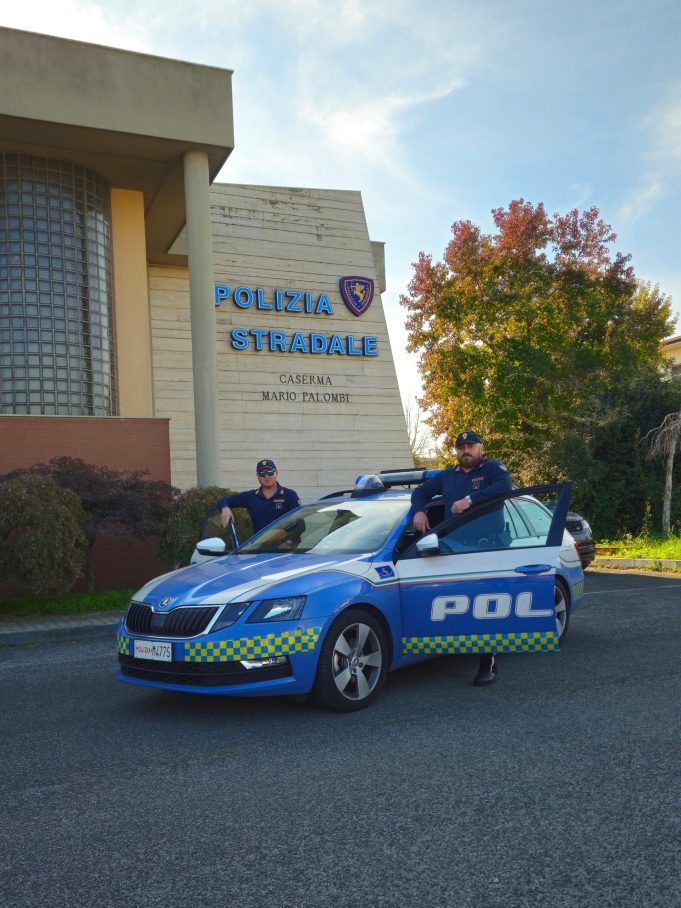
(489, 479)
(262, 510)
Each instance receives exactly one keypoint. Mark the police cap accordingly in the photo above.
(265, 465)
(468, 438)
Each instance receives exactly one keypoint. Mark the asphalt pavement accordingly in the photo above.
(558, 786)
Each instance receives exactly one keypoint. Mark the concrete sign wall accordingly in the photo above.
(305, 370)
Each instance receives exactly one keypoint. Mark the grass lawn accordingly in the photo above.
(68, 604)
(645, 547)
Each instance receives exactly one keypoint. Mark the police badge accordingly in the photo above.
(357, 293)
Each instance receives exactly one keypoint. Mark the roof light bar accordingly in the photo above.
(372, 483)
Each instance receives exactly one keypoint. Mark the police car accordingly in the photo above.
(330, 597)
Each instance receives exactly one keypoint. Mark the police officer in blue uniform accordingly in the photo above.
(475, 479)
(264, 504)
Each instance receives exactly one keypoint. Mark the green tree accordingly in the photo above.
(42, 543)
(604, 450)
(186, 519)
(520, 331)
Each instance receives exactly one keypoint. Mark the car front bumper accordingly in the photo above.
(214, 663)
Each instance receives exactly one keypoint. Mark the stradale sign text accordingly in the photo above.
(356, 292)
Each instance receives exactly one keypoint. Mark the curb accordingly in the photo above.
(650, 564)
(59, 630)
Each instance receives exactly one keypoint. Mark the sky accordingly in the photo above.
(436, 111)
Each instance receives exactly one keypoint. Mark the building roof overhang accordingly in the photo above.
(130, 117)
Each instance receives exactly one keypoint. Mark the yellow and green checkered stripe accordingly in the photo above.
(123, 644)
(282, 644)
(536, 642)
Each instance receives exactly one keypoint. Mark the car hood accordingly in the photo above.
(241, 577)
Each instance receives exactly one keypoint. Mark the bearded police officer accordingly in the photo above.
(474, 480)
(264, 504)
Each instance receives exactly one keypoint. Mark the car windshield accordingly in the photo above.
(330, 528)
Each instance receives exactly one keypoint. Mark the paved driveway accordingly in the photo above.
(556, 787)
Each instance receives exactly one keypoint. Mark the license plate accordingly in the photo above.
(147, 649)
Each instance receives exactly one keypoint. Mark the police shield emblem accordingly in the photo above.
(357, 293)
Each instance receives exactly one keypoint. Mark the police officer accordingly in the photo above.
(472, 481)
(264, 504)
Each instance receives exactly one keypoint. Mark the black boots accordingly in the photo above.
(487, 670)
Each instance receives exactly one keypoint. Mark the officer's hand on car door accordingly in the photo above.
(226, 516)
(421, 522)
(461, 505)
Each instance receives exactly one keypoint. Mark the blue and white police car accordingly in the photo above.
(330, 597)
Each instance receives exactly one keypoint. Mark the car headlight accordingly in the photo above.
(229, 615)
(287, 608)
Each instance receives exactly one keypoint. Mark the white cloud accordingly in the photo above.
(662, 160)
(666, 152)
(80, 21)
(369, 130)
(581, 193)
(639, 201)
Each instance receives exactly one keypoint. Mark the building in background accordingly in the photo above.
(144, 307)
(671, 350)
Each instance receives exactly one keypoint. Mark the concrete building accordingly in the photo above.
(144, 307)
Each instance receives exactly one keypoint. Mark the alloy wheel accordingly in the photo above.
(357, 661)
(560, 603)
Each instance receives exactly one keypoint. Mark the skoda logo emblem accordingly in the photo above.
(166, 601)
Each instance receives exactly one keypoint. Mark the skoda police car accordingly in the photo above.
(330, 597)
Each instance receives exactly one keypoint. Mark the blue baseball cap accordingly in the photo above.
(468, 438)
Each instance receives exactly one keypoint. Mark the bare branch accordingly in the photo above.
(665, 439)
(419, 439)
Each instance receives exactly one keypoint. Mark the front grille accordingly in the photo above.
(138, 618)
(573, 525)
(206, 674)
(180, 622)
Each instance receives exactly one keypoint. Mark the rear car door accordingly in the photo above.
(486, 583)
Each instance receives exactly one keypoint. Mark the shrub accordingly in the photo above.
(42, 539)
(120, 504)
(185, 521)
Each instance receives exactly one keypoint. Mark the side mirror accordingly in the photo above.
(428, 545)
(211, 546)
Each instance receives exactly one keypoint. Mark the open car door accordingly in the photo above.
(484, 580)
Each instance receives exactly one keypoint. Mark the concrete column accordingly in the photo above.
(202, 309)
(131, 289)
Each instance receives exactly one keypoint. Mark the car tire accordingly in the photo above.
(353, 662)
(561, 600)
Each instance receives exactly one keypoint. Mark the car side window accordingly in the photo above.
(537, 517)
(515, 524)
(485, 530)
